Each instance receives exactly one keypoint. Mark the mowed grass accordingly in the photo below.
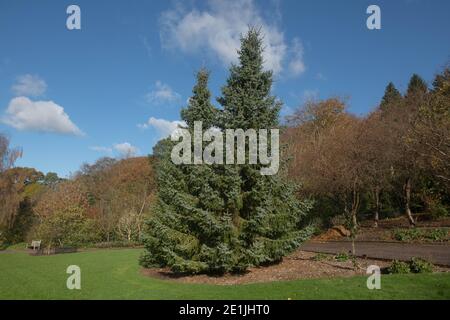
(115, 274)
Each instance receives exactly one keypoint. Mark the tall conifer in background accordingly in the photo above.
(391, 96)
(417, 87)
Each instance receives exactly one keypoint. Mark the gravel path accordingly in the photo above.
(436, 253)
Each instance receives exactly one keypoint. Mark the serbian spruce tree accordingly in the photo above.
(269, 214)
(190, 230)
(224, 217)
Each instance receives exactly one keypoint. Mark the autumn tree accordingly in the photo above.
(406, 163)
(309, 128)
(429, 136)
(9, 199)
(331, 159)
(70, 195)
(377, 151)
(119, 194)
(27, 187)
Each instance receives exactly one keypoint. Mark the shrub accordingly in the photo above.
(437, 235)
(418, 265)
(320, 257)
(342, 257)
(3, 240)
(415, 265)
(399, 267)
(68, 228)
(115, 244)
(438, 211)
(407, 234)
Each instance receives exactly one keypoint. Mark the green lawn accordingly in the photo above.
(114, 274)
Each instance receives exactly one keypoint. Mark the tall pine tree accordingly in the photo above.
(417, 87)
(391, 96)
(191, 230)
(200, 107)
(225, 218)
(269, 215)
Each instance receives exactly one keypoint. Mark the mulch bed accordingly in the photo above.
(299, 265)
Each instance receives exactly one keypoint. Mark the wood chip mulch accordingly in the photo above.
(299, 265)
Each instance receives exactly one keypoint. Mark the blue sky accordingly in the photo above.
(117, 85)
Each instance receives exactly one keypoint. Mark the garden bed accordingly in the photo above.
(299, 265)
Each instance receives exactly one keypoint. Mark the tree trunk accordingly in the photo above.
(377, 207)
(354, 209)
(354, 212)
(407, 191)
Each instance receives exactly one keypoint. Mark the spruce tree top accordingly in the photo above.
(416, 86)
(391, 95)
(200, 107)
(246, 98)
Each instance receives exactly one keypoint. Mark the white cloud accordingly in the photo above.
(101, 149)
(218, 30)
(164, 127)
(29, 85)
(297, 66)
(162, 93)
(42, 116)
(126, 149)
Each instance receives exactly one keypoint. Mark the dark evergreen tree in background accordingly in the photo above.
(225, 218)
(416, 87)
(391, 96)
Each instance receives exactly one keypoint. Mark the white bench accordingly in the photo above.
(36, 244)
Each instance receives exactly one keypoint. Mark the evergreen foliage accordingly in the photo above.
(224, 218)
(391, 95)
(416, 86)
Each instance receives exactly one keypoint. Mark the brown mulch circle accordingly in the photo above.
(299, 265)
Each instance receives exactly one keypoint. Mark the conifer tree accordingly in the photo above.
(190, 230)
(200, 107)
(416, 87)
(224, 217)
(269, 214)
(246, 98)
(391, 95)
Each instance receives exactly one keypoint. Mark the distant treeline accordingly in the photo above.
(103, 202)
(395, 160)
